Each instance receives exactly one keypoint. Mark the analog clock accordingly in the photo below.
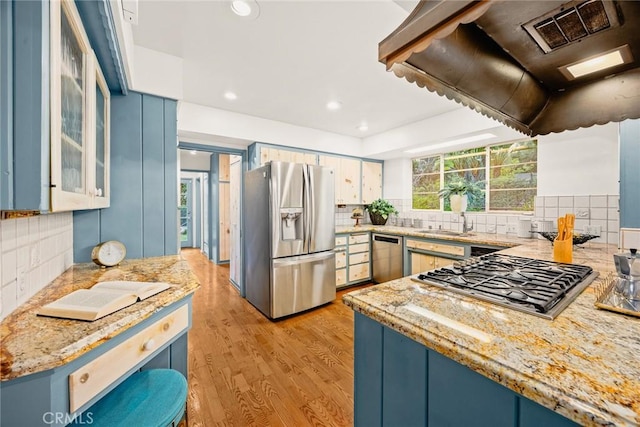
(109, 253)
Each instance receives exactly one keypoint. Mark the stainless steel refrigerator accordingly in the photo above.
(289, 237)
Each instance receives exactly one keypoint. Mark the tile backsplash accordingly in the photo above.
(595, 212)
(34, 251)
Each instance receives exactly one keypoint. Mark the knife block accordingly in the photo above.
(563, 251)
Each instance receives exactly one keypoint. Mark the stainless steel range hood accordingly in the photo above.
(515, 60)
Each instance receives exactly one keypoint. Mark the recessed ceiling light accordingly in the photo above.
(363, 127)
(193, 152)
(230, 95)
(334, 105)
(245, 8)
(479, 137)
(617, 56)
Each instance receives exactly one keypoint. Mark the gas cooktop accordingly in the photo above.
(541, 288)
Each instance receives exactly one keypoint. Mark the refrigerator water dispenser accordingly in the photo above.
(291, 224)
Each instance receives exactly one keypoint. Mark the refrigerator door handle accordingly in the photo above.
(285, 262)
(308, 209)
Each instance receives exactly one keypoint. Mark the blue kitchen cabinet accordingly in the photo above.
(398, 381)
(25, 101)
(629, 173)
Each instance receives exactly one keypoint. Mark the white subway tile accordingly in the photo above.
(581, 201)
(491, 220)
(598, 202)
(22, 257)
(601, 223)
(613, 225)
(565, 201)
(613, 213)
(482, 228)
(34, 228)
(539, 212)
(539, 202)
(582, 213)
(612, 238)
(9, 240)
(551, 213)
(501, 219)
(613, 201)
(564, 211)
(22, 231)
(551, 202)
(501, 229)
(598, 213)
(9, 299)
(22, 289)
(9, 267)
(491, 228)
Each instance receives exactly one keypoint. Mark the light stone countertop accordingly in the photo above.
(32, 343)
(585, 364)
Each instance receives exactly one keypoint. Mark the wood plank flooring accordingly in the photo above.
(245, 370)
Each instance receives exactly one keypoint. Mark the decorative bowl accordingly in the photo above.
(578, 239)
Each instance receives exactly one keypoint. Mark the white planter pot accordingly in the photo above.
(458, 203)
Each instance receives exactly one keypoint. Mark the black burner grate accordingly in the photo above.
(523, 283)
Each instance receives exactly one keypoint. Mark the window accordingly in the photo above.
(506, 172)
(426, 183)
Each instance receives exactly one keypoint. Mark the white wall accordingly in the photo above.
(200, 162)
(579, 162)
(198, 119)
(571, 163)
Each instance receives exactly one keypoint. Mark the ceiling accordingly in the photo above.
(290, 61)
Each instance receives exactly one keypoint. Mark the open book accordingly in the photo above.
(102, 299)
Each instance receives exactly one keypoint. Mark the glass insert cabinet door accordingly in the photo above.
(79, 116)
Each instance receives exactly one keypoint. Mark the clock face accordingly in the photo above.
(109, 253)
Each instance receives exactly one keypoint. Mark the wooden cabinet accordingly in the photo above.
(425, 255)
(353, 263)
(268, 154)
(80, 103)
(341, 260)
(347, 171)
(371, 181)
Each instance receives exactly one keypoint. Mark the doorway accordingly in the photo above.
(186, 212)
(221, 209)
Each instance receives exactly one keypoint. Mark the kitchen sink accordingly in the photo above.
(445, 232)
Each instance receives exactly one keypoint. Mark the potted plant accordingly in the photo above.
(459, 193)
(379, 211)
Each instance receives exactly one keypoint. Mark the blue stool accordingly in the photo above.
(153, 398)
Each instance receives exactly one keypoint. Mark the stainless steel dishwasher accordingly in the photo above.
(387, 257)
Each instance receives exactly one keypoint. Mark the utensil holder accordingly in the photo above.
(563, 251)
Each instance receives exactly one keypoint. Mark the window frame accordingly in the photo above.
(487, 172)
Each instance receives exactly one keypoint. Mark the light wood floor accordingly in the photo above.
(245, 370)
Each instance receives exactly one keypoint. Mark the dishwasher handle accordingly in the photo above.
(387, 239)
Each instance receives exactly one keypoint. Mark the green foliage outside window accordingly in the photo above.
(511, 184)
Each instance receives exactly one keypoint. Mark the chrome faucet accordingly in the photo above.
(465, 228)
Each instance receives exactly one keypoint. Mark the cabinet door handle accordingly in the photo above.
(84, 378)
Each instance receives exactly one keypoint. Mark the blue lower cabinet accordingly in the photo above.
(399, 382)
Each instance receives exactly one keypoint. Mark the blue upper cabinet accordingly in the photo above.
(55, 109)
(629, 173)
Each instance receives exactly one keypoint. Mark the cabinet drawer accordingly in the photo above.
(362, 247)
(436, 247)
(341, 259)
(358, 272)
(359, 258)
(442, 262)
(341, 241)
(358, 238)
(341, 277)
(95, 376)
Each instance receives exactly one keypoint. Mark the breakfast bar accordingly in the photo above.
(420, 351)
(54, 369)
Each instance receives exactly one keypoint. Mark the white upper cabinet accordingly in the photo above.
(80, 104)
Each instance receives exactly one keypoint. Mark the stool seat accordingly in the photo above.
(155, 397)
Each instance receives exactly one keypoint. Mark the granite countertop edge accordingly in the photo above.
(554, 390)
(33, 344)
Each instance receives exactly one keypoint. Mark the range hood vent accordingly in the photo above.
(569, 24)
(509, 59)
